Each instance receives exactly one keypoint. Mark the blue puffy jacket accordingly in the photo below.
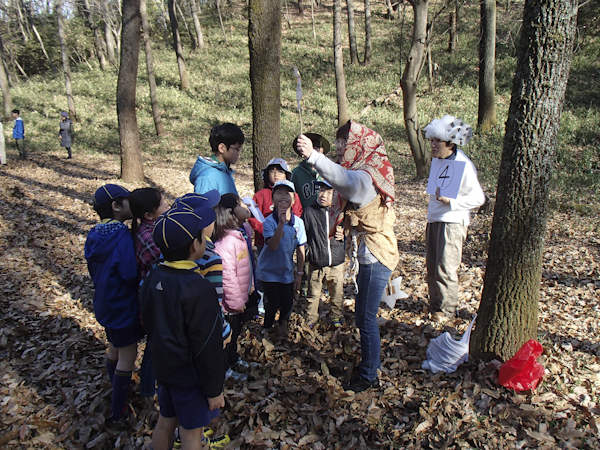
(110, 254)
(208, 174)
(19, 129)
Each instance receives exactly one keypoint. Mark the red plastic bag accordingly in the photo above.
(522, 371)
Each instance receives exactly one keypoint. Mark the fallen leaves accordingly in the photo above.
(54, 393)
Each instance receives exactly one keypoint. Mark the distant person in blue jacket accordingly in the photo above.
(215, 172)
(110, 255)
(19, 133)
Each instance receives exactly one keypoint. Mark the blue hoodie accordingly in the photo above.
(208, 174)
(110, 254)
(19, 129)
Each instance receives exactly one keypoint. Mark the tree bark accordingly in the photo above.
(160, 129)
(39, 38)
(508, 313)
(132, 168)
(108, 34)
(352, 33)
(187, 28)
(410, 78)
(163, 15)
(452, 33)
(368, 45)
(264, 42)
(183, 75)
(65, 60)
(221, 19)
(338, 56)
(99, 43)
(486, 117)
(4, 86)
(300, 7)
(199, 35)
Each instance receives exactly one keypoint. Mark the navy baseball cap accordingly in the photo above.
(178, 227)
(192, 200)
(108, 193)
(323, 181)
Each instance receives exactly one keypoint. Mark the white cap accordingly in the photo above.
(287, 183)
(449, 129)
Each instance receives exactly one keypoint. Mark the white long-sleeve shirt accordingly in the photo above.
(470, 195)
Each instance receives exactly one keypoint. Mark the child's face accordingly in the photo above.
(15, 115)
(325, 196)
(162, 208)
(231, 153)
(122, 212)
(283, 199)
(242, 212)
(276, 174)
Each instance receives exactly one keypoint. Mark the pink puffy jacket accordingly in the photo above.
(237, 269)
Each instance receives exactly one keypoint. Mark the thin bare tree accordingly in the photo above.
(368, 44)
(198, 28)
(65, 59)
(338, 57)
(183, 75)
(352, 33)
(99, 44)
(486, 117)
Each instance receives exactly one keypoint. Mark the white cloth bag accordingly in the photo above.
(445, 354)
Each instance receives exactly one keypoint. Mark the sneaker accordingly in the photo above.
(217, 443)
(235, 375)
(359, 384)
(336, 323)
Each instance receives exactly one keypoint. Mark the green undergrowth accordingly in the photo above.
(220, 91)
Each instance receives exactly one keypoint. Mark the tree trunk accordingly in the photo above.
(187, 28)
(338, 56)
(452, 34)
(221, 19)
(199, 36)
(352, 33)
(108, 34)
(65, 60)
(39, 38)
(22, 22)
(132, 168)
(368, 45)
(264, 42)
(508, 313)
(312, 17)
(160, 129)
(99, 43)
(390, 9)
(6, 98)
(163, 15)
(410, 78)
(300, 7)
(486, 117)
(183, 76)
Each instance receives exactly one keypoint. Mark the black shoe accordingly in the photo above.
(359, 384)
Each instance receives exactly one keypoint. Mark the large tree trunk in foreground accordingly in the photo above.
(420, 150)
(486, 117)
(183, 75)
(65, 60)
(338, 56)
(508, 313)
(131, 150)
(264, 41)
(352, 33)
(160, 129)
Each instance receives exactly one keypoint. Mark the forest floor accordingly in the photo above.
(55, 394)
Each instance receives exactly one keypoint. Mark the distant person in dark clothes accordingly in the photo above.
(65, 132)
(19, 133)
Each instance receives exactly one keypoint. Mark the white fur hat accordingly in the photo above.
(449, 129)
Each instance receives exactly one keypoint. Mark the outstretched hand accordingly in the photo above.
(439, 198)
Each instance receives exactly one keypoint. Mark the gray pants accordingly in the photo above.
(21, 148)
(444, 243)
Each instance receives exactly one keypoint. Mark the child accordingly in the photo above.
(110, 255)
(65, 132)
(284, 235)
(304, 176)
(183, 319)
(19, 133)
(146, 206)
(230, 236)
(277, 169)
(325, 255)
(226, 142)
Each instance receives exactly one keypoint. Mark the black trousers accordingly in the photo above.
(279, 297)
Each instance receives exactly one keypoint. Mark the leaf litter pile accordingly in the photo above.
(54, 392)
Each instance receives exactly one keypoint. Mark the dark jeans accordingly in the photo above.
(147, 382)
(371, 279)
(278, 297)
